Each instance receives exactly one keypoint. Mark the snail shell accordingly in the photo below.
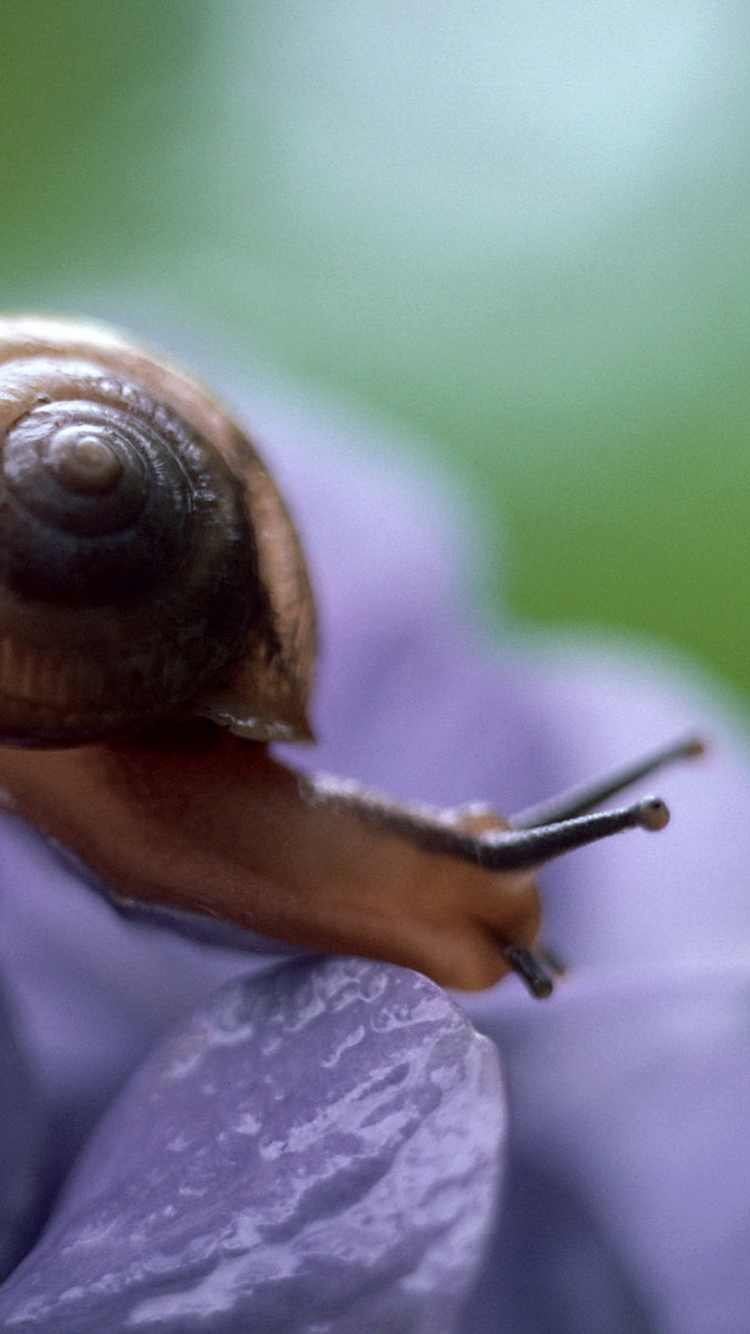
(148, 566)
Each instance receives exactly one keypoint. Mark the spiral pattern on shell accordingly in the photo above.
(133, 585)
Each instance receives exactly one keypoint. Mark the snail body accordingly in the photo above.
(157, 631)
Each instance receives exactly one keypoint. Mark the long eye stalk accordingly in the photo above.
(578, 800)
(526, 849)
(543, 832)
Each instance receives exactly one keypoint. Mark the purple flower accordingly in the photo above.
(313, 1149)
(627, 1176)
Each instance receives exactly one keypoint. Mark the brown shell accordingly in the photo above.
(226, 631)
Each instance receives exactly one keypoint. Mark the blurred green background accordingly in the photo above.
(519, 228)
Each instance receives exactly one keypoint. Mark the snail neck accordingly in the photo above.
(198, 819)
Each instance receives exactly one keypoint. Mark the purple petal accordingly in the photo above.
(91, 991)
(315, 1150)
(627, 1200)
(22, 1150)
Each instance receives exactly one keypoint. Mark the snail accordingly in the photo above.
(157, 635)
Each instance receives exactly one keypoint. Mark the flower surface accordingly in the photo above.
(317, 1149)
(629, 1089)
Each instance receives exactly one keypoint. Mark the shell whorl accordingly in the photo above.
(148, 566)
